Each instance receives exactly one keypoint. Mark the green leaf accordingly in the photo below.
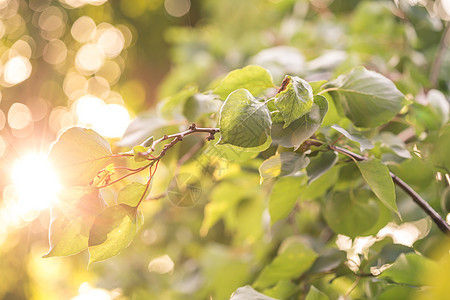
(141, 128)
(356, 137)
(292, 261)
(284, 289)
(393, 143)
(138, 153)
(223, 202)
(133, 193)
(302, 128)
(148, 142)
(255, 79)
(78, 155)
(440, 154)
(328, 260)
(172, 107)
(294, 99)
(319, 164)
(379, 179)
(284, 195)
(283, 164)
(315, 294)
(113, 230)
(201, 105)
(244, 122)
(355, 213)
(409, 269)
(72, 218)
(367, 98)
(248, 293)
(319, 187)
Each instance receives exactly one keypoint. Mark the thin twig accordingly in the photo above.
(178, 137)
(438, 220)
(439, 58)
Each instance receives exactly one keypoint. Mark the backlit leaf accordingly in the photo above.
(132, 193)
(71, 220)
(255, 79)
(78, 155)
(112, 231)
(244, 122)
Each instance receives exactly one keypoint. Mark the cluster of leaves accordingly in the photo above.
(298, 137)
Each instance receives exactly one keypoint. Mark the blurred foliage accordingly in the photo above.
(159, 54)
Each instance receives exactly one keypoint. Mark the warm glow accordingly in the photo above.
(35, 182)
(89, 58)
(109, 120)
(17, 69)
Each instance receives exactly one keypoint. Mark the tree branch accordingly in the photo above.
(438, 220)
(178, 137)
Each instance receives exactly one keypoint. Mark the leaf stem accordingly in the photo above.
(327, 90)
(438, 220)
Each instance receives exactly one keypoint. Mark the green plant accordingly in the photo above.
(333, 146)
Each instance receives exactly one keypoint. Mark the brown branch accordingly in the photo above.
(178, 137)
(438, 220)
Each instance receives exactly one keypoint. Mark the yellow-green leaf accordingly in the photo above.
(255, 79)
(78, 155)
(113, 230)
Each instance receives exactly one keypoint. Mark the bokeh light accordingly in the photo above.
(19, 116)
(89, 59)
(16, 70)
(110, 120)
(177, 8)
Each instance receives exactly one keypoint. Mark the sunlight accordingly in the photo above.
(35, 182)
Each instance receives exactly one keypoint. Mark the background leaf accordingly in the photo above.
(315, 294)
(284, 195)
(78, 155)
(248, 293)
(294, 259)
(355, 213)
(409, 269)
(367, 98)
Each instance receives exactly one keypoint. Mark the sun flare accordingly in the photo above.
(36, 182)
